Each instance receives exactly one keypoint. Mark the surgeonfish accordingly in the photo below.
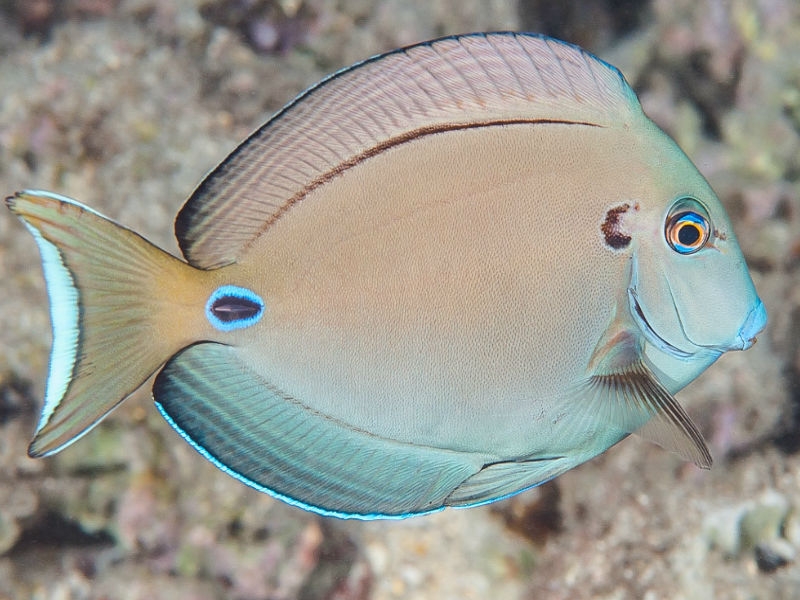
(437, 278)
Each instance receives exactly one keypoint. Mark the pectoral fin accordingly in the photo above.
(633, 400)
(623, 393)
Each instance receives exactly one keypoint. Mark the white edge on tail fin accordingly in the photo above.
(64, 315)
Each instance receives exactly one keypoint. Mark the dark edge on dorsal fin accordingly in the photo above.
(450, 82)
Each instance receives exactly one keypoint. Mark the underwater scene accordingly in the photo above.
(347, 300)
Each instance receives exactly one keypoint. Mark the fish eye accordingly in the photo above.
(687, 228)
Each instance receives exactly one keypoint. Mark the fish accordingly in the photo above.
(437, 278)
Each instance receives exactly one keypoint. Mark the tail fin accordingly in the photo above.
(107, 287)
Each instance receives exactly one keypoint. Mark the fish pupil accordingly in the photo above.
(688, 235)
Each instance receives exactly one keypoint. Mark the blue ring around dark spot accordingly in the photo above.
(234, 293)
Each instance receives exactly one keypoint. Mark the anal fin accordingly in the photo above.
(236, 419)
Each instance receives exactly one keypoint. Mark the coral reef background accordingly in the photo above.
(125, 104)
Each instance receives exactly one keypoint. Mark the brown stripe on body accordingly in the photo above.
(390, 143)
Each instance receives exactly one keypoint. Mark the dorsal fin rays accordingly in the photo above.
(449, 83)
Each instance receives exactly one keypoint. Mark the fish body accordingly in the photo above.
(437, 278)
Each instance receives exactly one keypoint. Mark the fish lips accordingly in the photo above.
(753, 325)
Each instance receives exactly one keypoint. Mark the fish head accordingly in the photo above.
(690, 292)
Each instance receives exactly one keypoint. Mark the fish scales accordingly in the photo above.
(458, 283)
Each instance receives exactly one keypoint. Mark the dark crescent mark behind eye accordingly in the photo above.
(611, 228)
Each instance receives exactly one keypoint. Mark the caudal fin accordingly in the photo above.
(107, 287)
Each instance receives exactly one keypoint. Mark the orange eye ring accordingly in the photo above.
(687, 230)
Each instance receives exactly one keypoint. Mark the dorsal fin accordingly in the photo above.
(451, 83)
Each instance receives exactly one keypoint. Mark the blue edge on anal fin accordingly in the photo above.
(288, 499)
(273, 443)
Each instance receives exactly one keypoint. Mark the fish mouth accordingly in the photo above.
(753, 325)
(650, 334)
